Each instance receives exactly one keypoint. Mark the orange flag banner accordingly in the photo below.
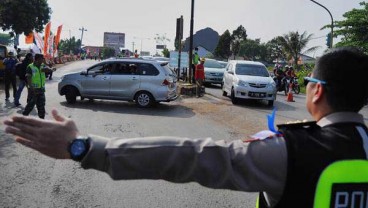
(29, 38)
(57, 37)
(46, 38)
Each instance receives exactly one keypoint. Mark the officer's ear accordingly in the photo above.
(318, 93)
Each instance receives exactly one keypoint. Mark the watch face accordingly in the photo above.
(77, 148)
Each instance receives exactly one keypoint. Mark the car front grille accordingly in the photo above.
(257, 85)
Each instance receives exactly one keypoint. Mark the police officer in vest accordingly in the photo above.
(36, 79)
(282, 165)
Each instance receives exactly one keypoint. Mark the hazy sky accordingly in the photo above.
(141, 20)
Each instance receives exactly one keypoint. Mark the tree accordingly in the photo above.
(293, 44)
(275, 50)
(239, 35)
(5, 39)
(166, 52)
(223, 46)
(107, 52)
(24, 16)
(250, 49)
(70, 46)
(354, 29)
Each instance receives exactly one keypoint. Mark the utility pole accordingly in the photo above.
(332, 22)
(133, 46)
(82, 29)
(191, 70)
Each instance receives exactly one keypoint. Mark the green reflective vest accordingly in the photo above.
(38, 77)
(343, 184)
(195, 58)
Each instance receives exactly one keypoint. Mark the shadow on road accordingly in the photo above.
(173, 109)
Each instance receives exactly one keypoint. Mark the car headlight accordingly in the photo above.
(271, 85)
(242, 83)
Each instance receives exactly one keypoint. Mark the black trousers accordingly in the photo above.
(37, 97)
(10, 79)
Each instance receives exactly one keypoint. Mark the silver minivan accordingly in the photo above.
(144, 81)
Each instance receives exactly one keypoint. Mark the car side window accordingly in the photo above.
(96, 68)
(148, 69)
(122, 68)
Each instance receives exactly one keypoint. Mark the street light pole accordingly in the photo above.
(332, 22)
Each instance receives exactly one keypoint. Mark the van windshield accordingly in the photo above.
(251, 70)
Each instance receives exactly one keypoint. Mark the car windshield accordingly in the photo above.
(251, 70)
(212, 64)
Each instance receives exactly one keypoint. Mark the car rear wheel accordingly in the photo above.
(144, 99)
(234, 100)
(71, 95)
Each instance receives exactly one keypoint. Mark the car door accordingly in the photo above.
(97, 81)
(125, 80)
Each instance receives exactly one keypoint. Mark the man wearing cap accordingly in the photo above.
(284, 165)
(36, 79)
(9, 75)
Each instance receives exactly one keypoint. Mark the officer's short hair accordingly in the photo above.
(346, 72)
(38, 56)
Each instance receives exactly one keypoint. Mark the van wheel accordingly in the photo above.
(144, 99)
(270, 103)
(234, 100)
(71, 95)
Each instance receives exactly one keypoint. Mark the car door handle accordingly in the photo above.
(134, 78)
(104, 78)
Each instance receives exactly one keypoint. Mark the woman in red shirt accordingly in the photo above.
(199, 76)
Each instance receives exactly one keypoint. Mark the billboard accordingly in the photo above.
(114, 39)
(174, 58)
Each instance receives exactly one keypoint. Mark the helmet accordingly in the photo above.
(10, 54)
(203, 59)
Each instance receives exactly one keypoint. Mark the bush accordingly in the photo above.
(303, 71)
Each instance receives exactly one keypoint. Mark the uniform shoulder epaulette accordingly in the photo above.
(297, 124)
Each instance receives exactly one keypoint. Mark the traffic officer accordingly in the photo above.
(36, 79)
(282, 165)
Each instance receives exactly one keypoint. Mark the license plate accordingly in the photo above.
(257, 94)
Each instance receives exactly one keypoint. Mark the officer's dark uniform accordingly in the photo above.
(311, 148)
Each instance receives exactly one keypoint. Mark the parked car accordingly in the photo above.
(213, 71)
(248, 80)
(144, 81)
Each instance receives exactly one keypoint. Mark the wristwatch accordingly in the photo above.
(78, 148)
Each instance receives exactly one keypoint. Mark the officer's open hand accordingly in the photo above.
(46, 136)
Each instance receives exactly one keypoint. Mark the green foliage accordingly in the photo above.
(250, 49)
(166, 53)
(24, 16)
(107, 52)
(239, 35)
(223, 46)
(354, 29)
(70, 46)
(305, 70)
(275, 50)
(5, 39)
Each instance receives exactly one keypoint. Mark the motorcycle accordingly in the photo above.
(283, 86)
(295, 85)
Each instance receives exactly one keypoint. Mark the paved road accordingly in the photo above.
(28, 179)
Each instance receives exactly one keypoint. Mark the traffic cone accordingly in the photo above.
(290, 97)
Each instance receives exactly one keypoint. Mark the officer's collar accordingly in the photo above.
(341, 117)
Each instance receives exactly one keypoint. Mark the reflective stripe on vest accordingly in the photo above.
(38, 77)
(364, 136)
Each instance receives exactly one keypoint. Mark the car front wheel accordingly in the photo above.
(234, 100)
(71, 95)
(144, 99)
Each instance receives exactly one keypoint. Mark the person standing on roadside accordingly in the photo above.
(9, 75)
(199, 77)
(284, 166)
(36, 79)
(195, 60)
(21, 73)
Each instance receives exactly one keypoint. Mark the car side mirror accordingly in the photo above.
(83, 73)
